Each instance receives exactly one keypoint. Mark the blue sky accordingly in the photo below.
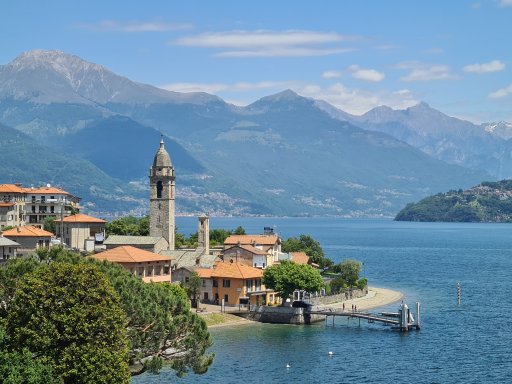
(356, 54)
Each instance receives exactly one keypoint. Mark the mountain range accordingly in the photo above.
(281, 155)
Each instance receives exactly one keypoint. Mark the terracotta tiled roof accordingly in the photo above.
(45, 191)
(10, 188)
(236, 271)
(300, 257)
(129, 254)
(250, 239)
(204, 273)
(27, 231)
(81, 218)
(7, 204)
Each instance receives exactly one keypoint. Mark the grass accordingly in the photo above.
(219, 318)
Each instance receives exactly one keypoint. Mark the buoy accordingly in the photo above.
(330, 353)
(288, 365)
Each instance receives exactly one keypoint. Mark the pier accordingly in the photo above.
(403, 320)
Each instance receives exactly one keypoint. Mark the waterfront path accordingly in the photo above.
(376, 297)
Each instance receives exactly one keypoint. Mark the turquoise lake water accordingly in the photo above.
(470, 343)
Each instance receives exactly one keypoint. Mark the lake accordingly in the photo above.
(470, 343)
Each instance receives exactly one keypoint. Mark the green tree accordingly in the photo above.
(310, 246)
(161, 327)
(239, 231)
(287, 276)
(49, 224)
(349, 271)
(128, 226)
(193, 286)
(71, 315)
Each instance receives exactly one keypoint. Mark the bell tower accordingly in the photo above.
(161, 196)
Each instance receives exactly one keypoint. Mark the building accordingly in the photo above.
(269, 243)
(12, 205)
(162, 197)
(44, 202)
(147, 243)
(149, 266)
(248, 255)
(21, 206)
(29, 238)
(80, 231)
(8, 249)
(236, 283)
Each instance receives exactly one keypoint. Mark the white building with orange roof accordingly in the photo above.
(43, 202)
(30, 238)
(12, 205)
(149, 266)
(80, 231)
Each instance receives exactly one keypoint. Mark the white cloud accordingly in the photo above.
(225, 87)
(133, 26)
(353, 101)
(425, 72)
(505, 3)
(501, 93)
(492, 66)
(356, 101)
(264, 43)
(331, 74)
(370, 75)
(283, 52)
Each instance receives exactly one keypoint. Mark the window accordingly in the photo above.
(158, 270)
(204, 282)
(226, 283)
(248, 285)
(52, 209)
(226, 299)
(159, 188)
(167, 269)
(43, 199)
(215, 283)
(140, 271)
(258, 284)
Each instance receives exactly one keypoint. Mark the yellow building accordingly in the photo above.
(236, 283)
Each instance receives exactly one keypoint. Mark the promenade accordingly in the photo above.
(376, 297)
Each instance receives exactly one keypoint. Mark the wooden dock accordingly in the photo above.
(402, 320)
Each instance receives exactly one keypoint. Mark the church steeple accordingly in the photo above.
(162, 192)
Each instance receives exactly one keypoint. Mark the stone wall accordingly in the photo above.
(338, 298)
(283, 315)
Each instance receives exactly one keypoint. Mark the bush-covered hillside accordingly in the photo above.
(487, 202)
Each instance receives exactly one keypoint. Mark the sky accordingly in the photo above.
(355, 54)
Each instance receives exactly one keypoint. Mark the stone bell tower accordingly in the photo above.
(161, 196)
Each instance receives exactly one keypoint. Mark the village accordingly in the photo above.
(231, 274)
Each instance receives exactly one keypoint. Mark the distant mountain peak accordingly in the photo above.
(53, 76)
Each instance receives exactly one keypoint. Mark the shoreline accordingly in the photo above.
(375, 298)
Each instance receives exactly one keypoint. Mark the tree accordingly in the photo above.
(128, 226)
(71, 315)
(160, 329)
(239, 231)
(49, 224)
(192, 286)
(349, 271)
(287, 276)
(310, 246)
